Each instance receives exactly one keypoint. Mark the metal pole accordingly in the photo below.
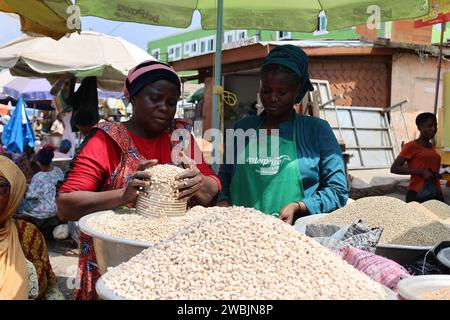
(338, 122)
(397, 105)
(436, 99)
(404, 121)
(390, 109)
(391, 141)
(395, 137)
(355, 131)
(182, 97)
(217, 74)
(331, 101)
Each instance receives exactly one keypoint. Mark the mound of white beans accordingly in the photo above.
(239, 253)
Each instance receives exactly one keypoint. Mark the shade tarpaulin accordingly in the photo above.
(18, 133)
(84, 55)
(29, 89)
(439, 13)
(39, 90)
(285, 15)
(47, 18)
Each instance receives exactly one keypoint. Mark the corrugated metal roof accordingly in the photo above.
(319, 43)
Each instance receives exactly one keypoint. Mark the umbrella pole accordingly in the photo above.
(217, 76)
(438, 82)
(182, 96)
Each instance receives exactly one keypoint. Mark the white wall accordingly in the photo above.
(414, 78)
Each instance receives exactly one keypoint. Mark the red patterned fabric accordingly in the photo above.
(130, 160)
(380, 269)
(88, 273)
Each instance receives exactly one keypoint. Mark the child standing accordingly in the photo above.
(423, 162)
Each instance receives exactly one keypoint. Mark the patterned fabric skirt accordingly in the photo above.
(35, 251)
(88, 272)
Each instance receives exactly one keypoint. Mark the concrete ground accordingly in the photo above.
(64, 266)
(366, 183)
(361, 179)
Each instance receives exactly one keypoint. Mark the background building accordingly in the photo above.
(369, 68)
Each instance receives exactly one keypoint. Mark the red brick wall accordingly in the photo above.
(366, 33)
(404, 32)
(363, 81)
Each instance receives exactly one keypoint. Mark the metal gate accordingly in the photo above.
(365, 131)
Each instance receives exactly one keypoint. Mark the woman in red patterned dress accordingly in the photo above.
(108, 170)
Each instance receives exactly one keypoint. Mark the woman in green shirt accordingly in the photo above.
(306, 175)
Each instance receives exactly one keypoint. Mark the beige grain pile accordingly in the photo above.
(439, 208)
(441, 294)
(239, 253)
(402, 223)
(141, 228)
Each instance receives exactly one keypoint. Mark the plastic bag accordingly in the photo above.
(357, 235)
(61, 232)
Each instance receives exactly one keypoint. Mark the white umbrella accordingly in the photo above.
(85, 54)
(5, 77)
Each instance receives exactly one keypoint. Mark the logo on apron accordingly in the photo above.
(268, 166)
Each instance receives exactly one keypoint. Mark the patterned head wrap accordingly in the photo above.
(148, 72)
(295, 59)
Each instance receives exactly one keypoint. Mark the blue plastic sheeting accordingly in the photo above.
(18, 133)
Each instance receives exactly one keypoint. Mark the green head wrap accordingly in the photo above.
(295, 59)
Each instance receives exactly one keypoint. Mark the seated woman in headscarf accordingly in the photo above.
(39, 205)
(109, 169)
(26, 162)
(306, 176)
(25, 270)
